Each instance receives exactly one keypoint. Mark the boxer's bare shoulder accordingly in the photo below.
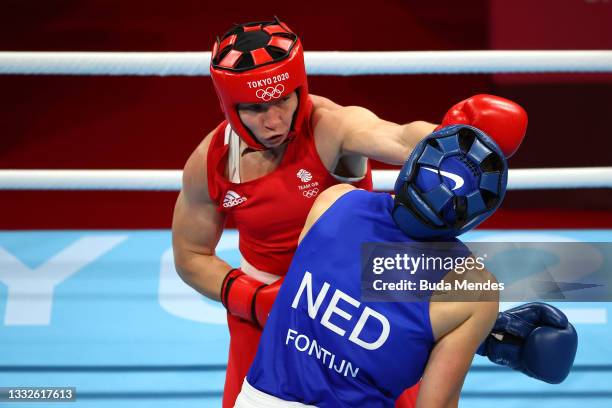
(321, 102)
(195, 172)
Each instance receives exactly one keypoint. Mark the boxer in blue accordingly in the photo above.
(324, 347)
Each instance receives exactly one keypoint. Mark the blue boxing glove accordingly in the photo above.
(534, 338)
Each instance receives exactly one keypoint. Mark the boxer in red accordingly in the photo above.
(266, 163)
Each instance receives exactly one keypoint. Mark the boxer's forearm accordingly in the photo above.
(356, 131)
(204, 273)
(394, 143)
(385, 141)
(412, 133)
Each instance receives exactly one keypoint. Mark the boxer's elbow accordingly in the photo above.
(183, 264)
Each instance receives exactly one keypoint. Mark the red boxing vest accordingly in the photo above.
(270, 211)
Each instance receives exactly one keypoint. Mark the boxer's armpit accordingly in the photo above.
(351, 169)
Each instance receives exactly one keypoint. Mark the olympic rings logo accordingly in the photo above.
(310, 193)
(270, 92)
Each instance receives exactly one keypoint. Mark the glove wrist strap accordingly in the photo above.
(238, 294)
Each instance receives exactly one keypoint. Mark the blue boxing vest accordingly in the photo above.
(321, 345)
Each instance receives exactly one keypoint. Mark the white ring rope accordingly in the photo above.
(170, 180)
(126, 180)
(317, 62)
(529, 179)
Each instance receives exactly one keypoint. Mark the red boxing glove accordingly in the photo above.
(505, 121)
(264, 301)
(246, 297)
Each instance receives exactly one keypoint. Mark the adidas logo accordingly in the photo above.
(232, 199)
(304, 175)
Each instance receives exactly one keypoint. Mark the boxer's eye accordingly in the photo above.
(255, 107)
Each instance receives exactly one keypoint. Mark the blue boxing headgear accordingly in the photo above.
(454, 179)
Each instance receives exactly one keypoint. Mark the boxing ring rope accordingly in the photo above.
(170, 180)
(317, 62)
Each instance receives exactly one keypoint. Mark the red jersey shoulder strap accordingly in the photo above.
(216, 151)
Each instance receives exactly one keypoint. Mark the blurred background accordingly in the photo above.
(81, 122)
(88, 292)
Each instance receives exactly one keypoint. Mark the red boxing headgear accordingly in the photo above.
(257, 63)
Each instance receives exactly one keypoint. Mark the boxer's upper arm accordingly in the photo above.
(452, 355)
(322, 203)
(197, 228)
(196, 222)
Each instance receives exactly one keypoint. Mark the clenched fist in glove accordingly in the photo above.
(503, 120)
(246, 297)
(534, 338)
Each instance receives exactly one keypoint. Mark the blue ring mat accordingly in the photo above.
(110, 303)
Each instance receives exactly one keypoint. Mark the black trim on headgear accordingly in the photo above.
(247, 41)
